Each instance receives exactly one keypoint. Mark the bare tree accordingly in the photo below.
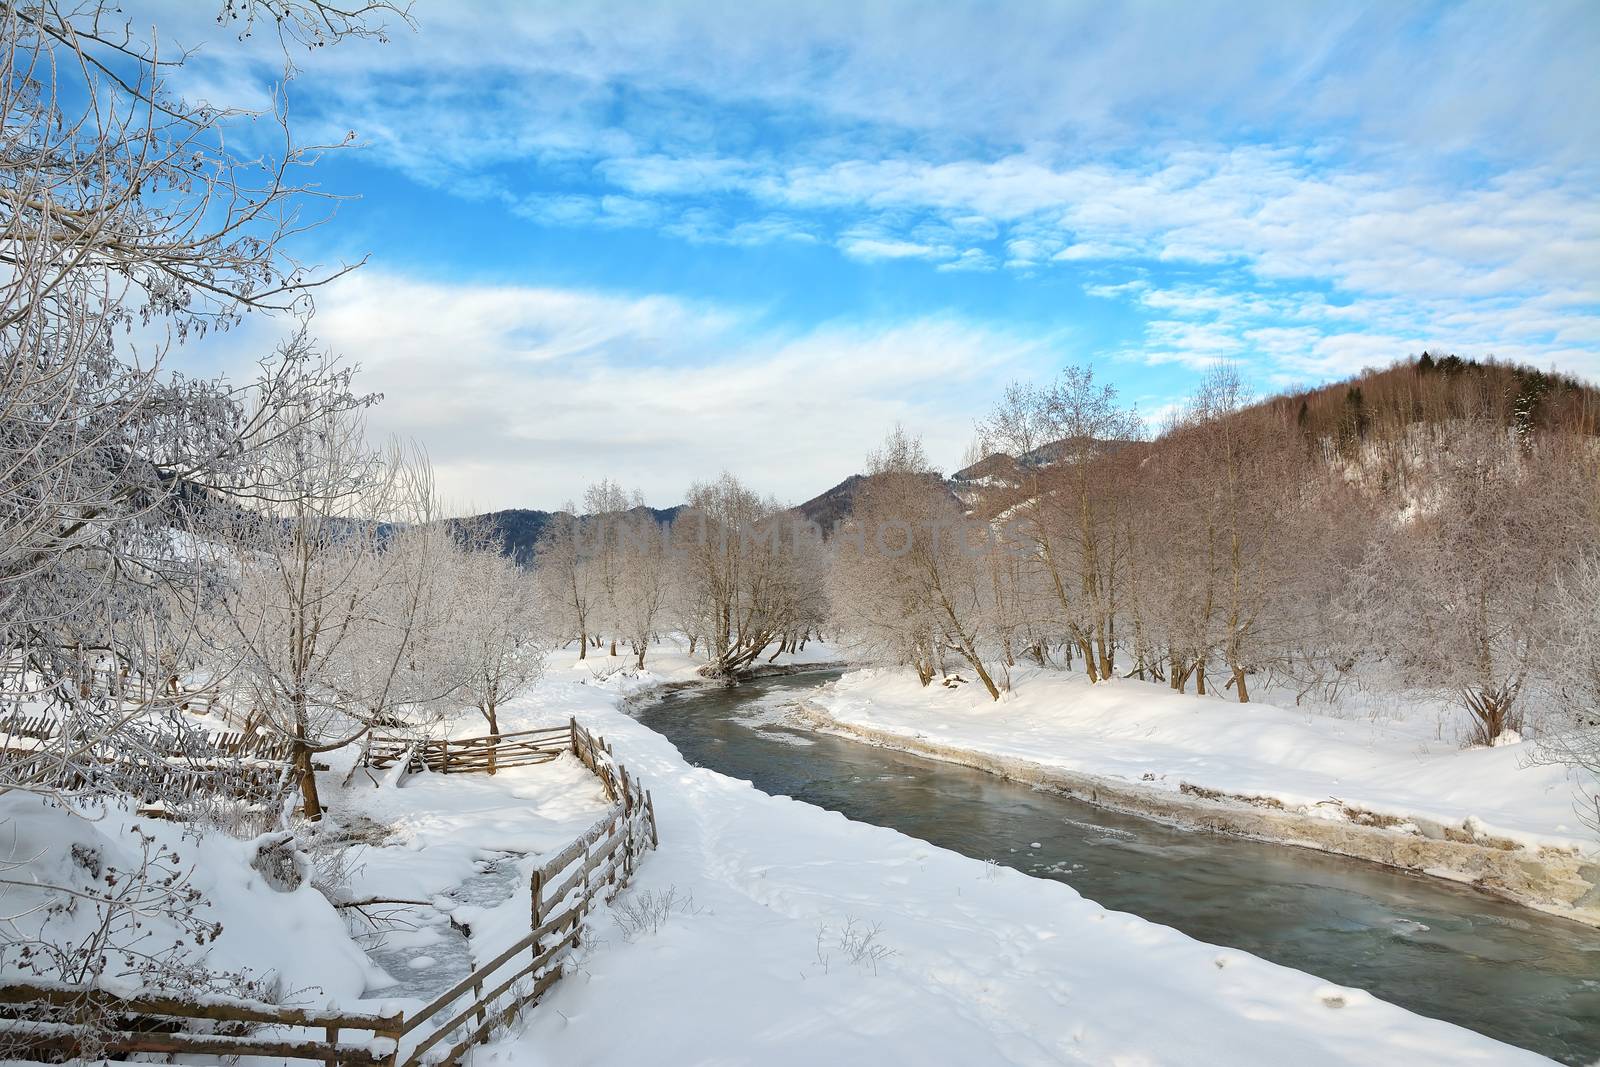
(1060, 434)
(911, 584)
(329, 626)
(498, 632)
(1457, 590)
(566, 578)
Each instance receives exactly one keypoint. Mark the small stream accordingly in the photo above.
(423, 950)
(1437, 949)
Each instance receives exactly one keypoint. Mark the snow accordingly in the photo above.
(295, 935)
(1144, 733)
(796, 936)
(955, 960)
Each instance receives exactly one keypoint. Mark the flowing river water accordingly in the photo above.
(1433, 947)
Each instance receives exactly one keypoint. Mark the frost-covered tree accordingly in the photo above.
(1571, 658)
(1457, 591)
(644, 579)
(498, 634)
(743, 584)
(337, 615)
(566, 579)
(911, 582)
(606, 506)
(1572, 666)
(129, 223)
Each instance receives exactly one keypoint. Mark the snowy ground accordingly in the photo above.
(1144, 733)
(465, 844)
(813, 939)
(799, 937)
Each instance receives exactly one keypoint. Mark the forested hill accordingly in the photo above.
(518, 529)
(1380, 417)
(837, 504)
(1432, 390)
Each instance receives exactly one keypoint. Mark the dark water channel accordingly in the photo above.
(1437, 949)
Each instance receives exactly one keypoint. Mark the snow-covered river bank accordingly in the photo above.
(1437, 949)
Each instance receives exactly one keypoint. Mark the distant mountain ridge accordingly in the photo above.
(518, 529)
(837, 504)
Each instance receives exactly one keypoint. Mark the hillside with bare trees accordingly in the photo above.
(1410, 528)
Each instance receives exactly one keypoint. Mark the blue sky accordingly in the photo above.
(653, 241)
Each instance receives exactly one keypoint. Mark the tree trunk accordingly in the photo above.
(583, 645)
(983, 676)
(494, 732)
(1086, 647)
(1180, 673)
(1238, 681)
(311, 803)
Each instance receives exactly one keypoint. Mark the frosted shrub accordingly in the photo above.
(856, 942)
(645, 913)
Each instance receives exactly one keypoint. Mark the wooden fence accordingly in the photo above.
(48, 1023)
(98, 680)
(155, 765)
(472, 754)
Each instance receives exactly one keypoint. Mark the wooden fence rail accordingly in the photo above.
(471, 754)
(45, 1022)
(193, 744)
(159, 767)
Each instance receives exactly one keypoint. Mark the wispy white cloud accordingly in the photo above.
(869, 246)
(1518, 83)
(525, 395)
(970, 259)
(1309, 189)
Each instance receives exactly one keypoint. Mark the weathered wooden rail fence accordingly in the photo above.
(52, 1023)
(471, 754)
(158, 765)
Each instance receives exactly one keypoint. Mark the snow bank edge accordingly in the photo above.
(1557, 881)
